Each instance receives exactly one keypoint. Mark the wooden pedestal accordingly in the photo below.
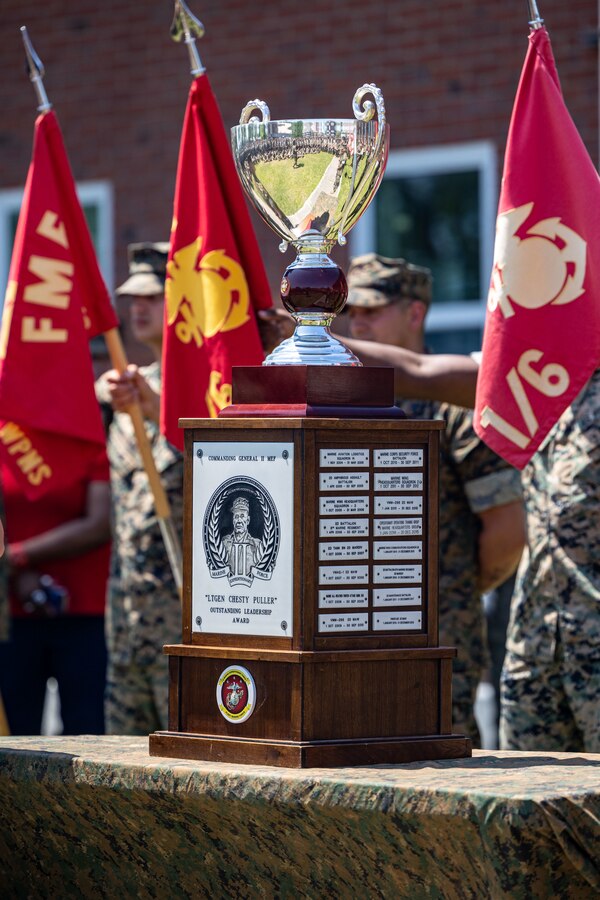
(338, 632)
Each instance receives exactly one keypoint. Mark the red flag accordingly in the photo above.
(542, 334)
(215, 274)
(56, 300)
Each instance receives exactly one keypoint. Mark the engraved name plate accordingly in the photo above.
(343, 598)
(398, 481)
(385, 574)
(398, 527)
(398, 458)
(344, 528)
(344, 574)
(397, 621)
(398, 596)
(354, 459)
(356, 550)
(398, 550)
(336, 506)
(397, 505)
(344, 481)
(242, 538)
(344, 622)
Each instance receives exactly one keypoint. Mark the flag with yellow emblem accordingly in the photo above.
(215, 274)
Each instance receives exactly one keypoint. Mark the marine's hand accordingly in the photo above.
(131, 387)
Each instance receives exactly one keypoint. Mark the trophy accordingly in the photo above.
(311, 180)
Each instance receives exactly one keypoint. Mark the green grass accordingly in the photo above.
(290, 187)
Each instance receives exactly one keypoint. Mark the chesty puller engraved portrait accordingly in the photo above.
(241, 532)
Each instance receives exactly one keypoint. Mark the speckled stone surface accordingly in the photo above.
(98, 817)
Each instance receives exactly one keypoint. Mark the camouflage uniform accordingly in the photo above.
(473, 479)
(143, 609)
(551, 676)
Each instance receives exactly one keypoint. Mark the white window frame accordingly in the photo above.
(90, 193)
(435, 160)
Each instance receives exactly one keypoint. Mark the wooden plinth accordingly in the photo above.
(298, 755)
(315, 709)
(328, 391)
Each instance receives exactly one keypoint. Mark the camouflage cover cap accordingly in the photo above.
(375, 280)
(147, 269)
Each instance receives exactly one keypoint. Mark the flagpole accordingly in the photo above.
(118, 359)
(119, 362)
(536, 20)
(186, 27)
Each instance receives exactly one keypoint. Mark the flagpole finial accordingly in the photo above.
(36, 72)
(536, 20)
(186, 27)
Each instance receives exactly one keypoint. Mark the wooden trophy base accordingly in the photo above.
(325, 653)
(340, 708)
(316, 754)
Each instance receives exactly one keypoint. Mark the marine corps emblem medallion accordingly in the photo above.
(236, 694)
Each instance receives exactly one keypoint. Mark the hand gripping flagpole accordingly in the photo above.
(169, 534)
(119, 362)
(536, 20)
(186, 27)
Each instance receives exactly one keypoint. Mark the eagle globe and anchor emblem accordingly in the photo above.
(236, 694)
(241, 532)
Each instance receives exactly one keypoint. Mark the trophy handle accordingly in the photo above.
(364, 111)
(250, 107)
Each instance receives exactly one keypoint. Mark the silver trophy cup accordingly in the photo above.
(311, 180)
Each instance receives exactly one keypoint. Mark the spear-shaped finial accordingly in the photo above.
(35, 68)
(186, 27)
(536, 20)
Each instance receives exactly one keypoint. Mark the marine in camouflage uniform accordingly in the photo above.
(551, 675)
(473, 480)
(143, 605)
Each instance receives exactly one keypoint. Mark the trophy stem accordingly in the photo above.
(314, 291)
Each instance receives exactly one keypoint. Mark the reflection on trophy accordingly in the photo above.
(310, 180)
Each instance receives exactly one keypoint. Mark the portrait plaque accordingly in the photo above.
(242, 538)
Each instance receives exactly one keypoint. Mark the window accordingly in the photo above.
(436, 207)
(96, 198)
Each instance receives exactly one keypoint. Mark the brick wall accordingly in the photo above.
(448, 72)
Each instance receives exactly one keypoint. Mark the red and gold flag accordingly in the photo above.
(215, 274)
(542, 334)
(56, 300)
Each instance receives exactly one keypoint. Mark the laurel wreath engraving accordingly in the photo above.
(268, 541)
(213, 537)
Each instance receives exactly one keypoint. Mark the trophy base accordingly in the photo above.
(312, 345)
(308, 391)
(308, 754)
